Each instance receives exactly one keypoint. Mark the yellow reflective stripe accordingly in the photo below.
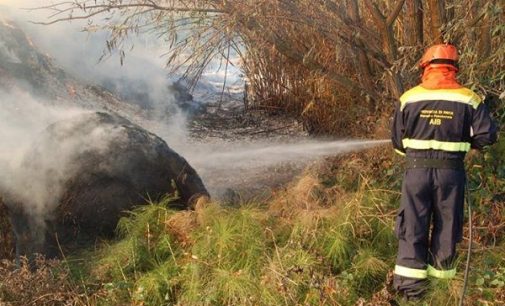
(461, 95)
(441, 273)
(399, 152)
(436, 145)
(409, 272)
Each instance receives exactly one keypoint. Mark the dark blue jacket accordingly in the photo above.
(441, 123)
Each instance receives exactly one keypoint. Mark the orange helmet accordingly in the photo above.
(440, 54)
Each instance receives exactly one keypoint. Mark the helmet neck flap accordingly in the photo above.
(440, 76)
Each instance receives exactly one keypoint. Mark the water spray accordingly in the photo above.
(226, 166)
(264, 154)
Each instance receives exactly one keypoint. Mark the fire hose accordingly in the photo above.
(469, 251)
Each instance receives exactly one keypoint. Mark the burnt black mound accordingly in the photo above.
(83, 174)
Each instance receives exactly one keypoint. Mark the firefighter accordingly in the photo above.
(434, 126)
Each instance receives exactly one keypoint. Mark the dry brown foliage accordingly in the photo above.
(48, 283)
(305, 197)
(340, 71)
(181, 225)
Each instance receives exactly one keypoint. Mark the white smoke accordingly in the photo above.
(21, 118)
(142, 78)
(33, 169)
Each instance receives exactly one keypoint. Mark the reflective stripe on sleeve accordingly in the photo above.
(446, 274)
(409, 272)
(436, 145)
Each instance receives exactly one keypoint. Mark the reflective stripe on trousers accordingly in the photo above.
(422, 274)
(411, 273)
(444, 274)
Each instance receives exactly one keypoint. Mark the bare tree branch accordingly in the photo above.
(379, 19)
(394, 14)
(101, 8)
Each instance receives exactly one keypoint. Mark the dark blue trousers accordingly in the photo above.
(428, 226)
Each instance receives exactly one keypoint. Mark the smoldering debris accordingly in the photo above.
(77, 176)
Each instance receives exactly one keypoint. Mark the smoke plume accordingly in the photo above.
(141, 79)
(32, 171)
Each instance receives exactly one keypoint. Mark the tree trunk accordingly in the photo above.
(414, 24)
(485, 37)
(438, 20)
(385, 27)
(362, 63)
(450, 10)
(474, 10)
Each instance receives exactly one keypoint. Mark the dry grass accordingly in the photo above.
(302, 196)
(181, 225)
(49, 283)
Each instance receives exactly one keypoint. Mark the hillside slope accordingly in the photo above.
(23, 68)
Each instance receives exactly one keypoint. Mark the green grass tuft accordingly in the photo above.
(369, 271)
(338, 246)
